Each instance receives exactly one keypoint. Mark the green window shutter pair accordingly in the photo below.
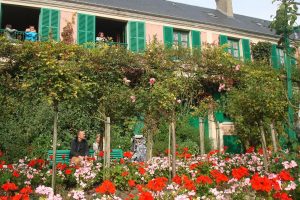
(275, 57)
(86, 28)
(168, 36)
(137, 38)
(246, 50)
(196, 39)
(49, 24)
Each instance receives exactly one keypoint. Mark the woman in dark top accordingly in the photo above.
(79, 148)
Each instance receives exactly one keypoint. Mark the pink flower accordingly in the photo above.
(237, 68)
(152, 81)
(133, 98)
(221, 87)
(178, 101)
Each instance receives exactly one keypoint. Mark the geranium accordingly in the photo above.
(128, 154)
(26, 190)
(250, 150)
(177, 179)
(285, 176)
(125, 173)
(157, 184)
(259, 183)
(282, 196)
(16, 174)
(202, 179)
(101, 154)
(131, 183)
(68, 171)
(9, 187)
(142, 171)
(146, 196)
(188, 184)
(106, 187)
(218, 176)
(239, 173)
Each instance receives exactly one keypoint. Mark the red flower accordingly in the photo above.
(259, 183)
(131, 183)
(3, 198)
(63, 156)
(19, 197)
(218, 176)
(61, 166)
(146, 196)
(101, 154)
(9, 187)
(282, 196)
(157, 184)
(16, 174)
(68, 171)
(26, 190)
(124, 173)
(177, 179)
(250, 150)
(128, 154)
(260, 151)
(188, 184)
(193, 166)
(1, 154)
(185, 149)
(122, 161)
(51, 157)
(167, 151)
(202, 179)
(106, 187)
(285, 176)
(239, 173)
(142, 170)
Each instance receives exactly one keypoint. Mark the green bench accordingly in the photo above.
(62, 156)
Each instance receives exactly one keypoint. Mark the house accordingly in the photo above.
(134, 23)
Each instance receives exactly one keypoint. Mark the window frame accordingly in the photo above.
(179, 42)
(231, 48)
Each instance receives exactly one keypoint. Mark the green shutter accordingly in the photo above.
(196, 39)
(275, 57)
(168, 36)
(86, 28)
(137, 39)
(246, 50)
(49, 24)
(223, 40)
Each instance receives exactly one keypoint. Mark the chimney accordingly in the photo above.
(225, 7)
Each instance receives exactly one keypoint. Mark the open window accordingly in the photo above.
(19, 17)
(113, 30)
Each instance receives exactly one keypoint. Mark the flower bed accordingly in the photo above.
(216, 175)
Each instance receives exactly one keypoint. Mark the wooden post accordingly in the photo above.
(108, 142)
(264, 148)
(173, 149)
(54, 146)
(218, 136)
(274, 141)
(201, 136)
(169, 151)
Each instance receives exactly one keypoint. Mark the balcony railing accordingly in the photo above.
(20, 35)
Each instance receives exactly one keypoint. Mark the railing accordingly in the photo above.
(109, 43)
(16, 35)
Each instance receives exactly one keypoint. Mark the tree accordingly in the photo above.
(53, 72)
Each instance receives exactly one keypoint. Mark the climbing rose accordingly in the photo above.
(152, 81)
(133, 99)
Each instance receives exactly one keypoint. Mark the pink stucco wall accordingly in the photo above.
(203, 37)
(153, 30)
(66, 17)
(215, 38)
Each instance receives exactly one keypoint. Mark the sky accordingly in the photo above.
(262, 9)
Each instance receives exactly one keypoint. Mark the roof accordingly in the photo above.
(186, 12)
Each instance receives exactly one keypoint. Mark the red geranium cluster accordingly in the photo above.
(185, 182)
(239, 173)
(146, 196)
(282, 196)
(9, 187)
(202, 179)
(261, 183)
(106, 187)
(285, 176)
(218, 176)
(128, 154)
(157, 184)
(36, 163)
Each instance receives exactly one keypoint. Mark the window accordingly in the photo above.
(280, 55)
(181, 38)
(234, 48)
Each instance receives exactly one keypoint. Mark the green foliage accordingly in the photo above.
(261, 51)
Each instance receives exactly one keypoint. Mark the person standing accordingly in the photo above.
(98, 145)
(31, 34)
(79, 148)
(9, 33)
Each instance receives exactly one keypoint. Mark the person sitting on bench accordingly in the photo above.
(79, 149)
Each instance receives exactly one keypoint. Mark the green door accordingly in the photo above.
(137, 36)
(86, 28)
(49, 24)
(232, 143)
(168, 36)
